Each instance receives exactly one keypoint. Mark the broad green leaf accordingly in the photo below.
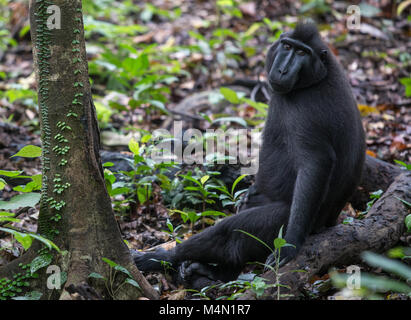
(401, 7)
(238, 120)
(8, 219)
(2, 184)
(348, 220)
(389, 265)
(10, 174)
(50, 244)
(33, 295)
(28, 152)
(146, 138)
(259, 106)
(253, 28)
(212, 213)
(405, 165)
(136, 66)
(239, 192)
(230, 95)
(408, 222)
(23, 238)
(24, 31)
(379, 284)
(117, 191)
(280, 233)
(279, 243)
(237, 181)
(132, 282)
(110, 262)
(96, 275)
(19, 201)
(108, 164)
(407, 83)
(143, 194)
(123, 270)
(170, 225)
(187, 177)
(227, 202)
(6, 214)
(40, 262)
(204, 179)
(34, 185)
(159, 105)
(134, 147)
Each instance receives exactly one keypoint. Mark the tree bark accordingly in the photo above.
(75, 210)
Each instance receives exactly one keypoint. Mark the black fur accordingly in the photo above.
(310, 163)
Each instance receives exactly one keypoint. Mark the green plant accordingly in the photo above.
(403, 164)
(150, 11)
(279, 243)
(137, 185)
(228, 7)
(236, 99)
(402, 6)
(406, 82)
(193, 216)
(196, 195)
(374, 196)
(19, 283)
(315, 6)
(26, 238)
(231, 197)
(372, 286)
(199, 189)
(173, 231)
(226, 47)
(110, 282)
(258, 285)
(18, 93)
(146, 170)
(144, 74)
(27, 199)
(5, 39)
(11, 288)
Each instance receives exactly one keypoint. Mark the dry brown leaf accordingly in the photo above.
(371, 153)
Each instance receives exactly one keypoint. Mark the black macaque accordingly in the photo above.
(310, 163)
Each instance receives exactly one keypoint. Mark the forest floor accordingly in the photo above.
(375, 58)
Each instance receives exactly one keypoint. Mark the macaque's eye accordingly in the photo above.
(301, 53)
(286, 46)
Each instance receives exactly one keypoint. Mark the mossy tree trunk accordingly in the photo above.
(75, 211)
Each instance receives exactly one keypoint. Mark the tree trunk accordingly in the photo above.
(75, 210)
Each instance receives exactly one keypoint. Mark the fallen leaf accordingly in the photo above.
(248, 8)
(371, 153)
